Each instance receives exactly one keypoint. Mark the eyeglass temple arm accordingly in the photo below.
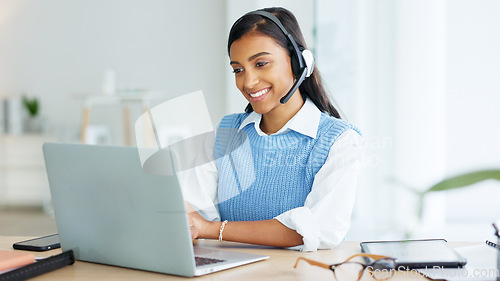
(375, 257)
(312, 262)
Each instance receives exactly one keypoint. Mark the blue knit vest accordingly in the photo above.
(260, 177)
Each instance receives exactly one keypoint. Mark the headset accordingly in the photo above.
(302, 60)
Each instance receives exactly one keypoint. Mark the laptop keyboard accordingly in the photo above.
(204, 261)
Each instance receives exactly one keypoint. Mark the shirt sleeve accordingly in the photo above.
(325, 218)
(199, 183)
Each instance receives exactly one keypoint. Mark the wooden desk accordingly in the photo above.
(278, 267)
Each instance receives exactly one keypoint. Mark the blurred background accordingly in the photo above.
(420, 78)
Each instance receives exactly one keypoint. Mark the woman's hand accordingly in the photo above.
(199, 226)
(267, 232)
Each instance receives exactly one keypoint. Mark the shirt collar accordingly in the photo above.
(306, 121)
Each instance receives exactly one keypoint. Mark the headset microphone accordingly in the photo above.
(295, 86)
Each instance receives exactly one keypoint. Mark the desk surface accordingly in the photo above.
(278, 267)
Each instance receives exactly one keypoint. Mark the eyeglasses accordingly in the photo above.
(382, 267)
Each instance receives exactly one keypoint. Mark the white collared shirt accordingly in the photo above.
(325, 217)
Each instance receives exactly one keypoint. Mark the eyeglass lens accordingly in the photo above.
(382, 269)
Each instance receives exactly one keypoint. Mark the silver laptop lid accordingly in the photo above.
(109, 211)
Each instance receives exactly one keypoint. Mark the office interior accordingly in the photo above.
(418, 77)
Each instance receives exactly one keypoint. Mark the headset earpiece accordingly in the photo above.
(309, 61)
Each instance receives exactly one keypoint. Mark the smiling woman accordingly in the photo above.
(263, 77)
(286, 170)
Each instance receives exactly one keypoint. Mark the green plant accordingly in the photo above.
(31, 105)
(455, 182)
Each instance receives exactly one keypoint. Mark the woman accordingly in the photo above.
(285, 173)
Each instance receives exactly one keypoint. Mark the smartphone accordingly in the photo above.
(40, 244)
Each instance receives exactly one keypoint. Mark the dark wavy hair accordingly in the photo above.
(312, 87)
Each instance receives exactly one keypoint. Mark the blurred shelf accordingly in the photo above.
(23, 180)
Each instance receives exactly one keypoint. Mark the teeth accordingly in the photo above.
(260, 93)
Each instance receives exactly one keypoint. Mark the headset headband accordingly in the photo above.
(275, 19)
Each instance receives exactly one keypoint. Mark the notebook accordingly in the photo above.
(13, 259)
(416, 253)
(109, 211)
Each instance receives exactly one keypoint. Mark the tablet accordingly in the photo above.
(416, 253)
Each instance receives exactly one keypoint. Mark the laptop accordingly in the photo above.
(109, 211)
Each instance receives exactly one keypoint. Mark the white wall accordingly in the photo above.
(420, 105)
(58, 50)
(55, 49)
(472, 116)
(420, 79)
